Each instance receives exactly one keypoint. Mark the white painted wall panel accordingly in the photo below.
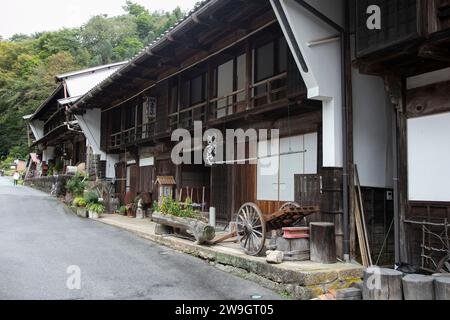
(296, 155)
(372, 133)
(429, 158)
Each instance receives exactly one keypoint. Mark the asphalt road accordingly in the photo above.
(40, 240)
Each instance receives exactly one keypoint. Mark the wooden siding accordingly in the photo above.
(221, 191)
(400, 23)
(428, 100)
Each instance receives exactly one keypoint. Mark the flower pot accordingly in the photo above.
(95, 215)
(140, 214)
(296, 233)
(91, 214)
(131, 213)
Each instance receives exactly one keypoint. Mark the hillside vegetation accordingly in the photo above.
(28, 63)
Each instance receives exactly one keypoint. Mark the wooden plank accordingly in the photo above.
(363, 222)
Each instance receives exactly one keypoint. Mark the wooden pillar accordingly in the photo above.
(209, 94)
(322, 242)
(382, 284)
(395, 88)
(249, 73)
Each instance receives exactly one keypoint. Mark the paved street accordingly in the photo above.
(39, 240)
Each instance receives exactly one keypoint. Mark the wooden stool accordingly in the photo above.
(418, 287)
(442, 287)
(382, 284)
(322, 242)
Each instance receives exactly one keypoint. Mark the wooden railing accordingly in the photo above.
(58, 119)
(255, 96)
(261, 93)
(185, 118)
(131, 135)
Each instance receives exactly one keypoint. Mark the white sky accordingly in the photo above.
(30, 16)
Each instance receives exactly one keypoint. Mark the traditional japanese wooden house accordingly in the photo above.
(287, 65)
(228, 65)
(64, 139)
(411, 53)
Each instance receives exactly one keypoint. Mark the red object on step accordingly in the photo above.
(296, 233)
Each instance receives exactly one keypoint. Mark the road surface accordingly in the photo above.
(40, 242)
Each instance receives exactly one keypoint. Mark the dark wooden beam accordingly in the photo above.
(189, 43)
(212, 22)
(434, 52)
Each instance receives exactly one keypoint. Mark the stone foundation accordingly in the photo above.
(45, 184)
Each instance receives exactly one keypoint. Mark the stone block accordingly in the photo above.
(274, 256)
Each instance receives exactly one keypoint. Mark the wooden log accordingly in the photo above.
(202, 232)
(322, 242)
(382, 284)
(348, 294)
(442, 287)
(418, 287)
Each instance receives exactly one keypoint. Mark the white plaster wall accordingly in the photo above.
(90, 124)
(111, 161)
(323, 79)
(37, 127)
(48, 154)
(372, 133)
(428, 158)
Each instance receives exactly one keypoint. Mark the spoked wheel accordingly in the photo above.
(444, 265)
(251, 229)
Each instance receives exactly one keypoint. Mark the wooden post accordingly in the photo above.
(382, 284)
(418, 287)
(249, 73)
(201, 231)
(442, 287)
(323, 242)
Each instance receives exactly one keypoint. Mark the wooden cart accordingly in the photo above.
(251, 225)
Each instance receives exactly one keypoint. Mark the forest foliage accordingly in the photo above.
(29, 63)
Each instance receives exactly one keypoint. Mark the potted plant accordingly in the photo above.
(80, 204)
(140, 207)
(75, 187)
(95, 210)
(123, 210)
(91, 198)
(130, 205)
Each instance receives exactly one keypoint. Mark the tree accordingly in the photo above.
(51, 43)
(127, 49)
(135, 9)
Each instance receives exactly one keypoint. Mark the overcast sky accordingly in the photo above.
(29, 16)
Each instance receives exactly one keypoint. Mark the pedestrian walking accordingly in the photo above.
(16, 177)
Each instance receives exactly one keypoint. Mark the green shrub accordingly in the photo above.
(123, 210)
(96, 207)
(91, 197)
(76, 184)
(79, 202)
(171, 207)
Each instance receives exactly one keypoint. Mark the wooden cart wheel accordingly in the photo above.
(444, 265)
(251, 229)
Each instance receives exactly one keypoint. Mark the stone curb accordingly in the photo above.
(277, 273)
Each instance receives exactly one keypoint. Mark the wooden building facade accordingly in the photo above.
(230, 67)
(411, 52)
(339, 92)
